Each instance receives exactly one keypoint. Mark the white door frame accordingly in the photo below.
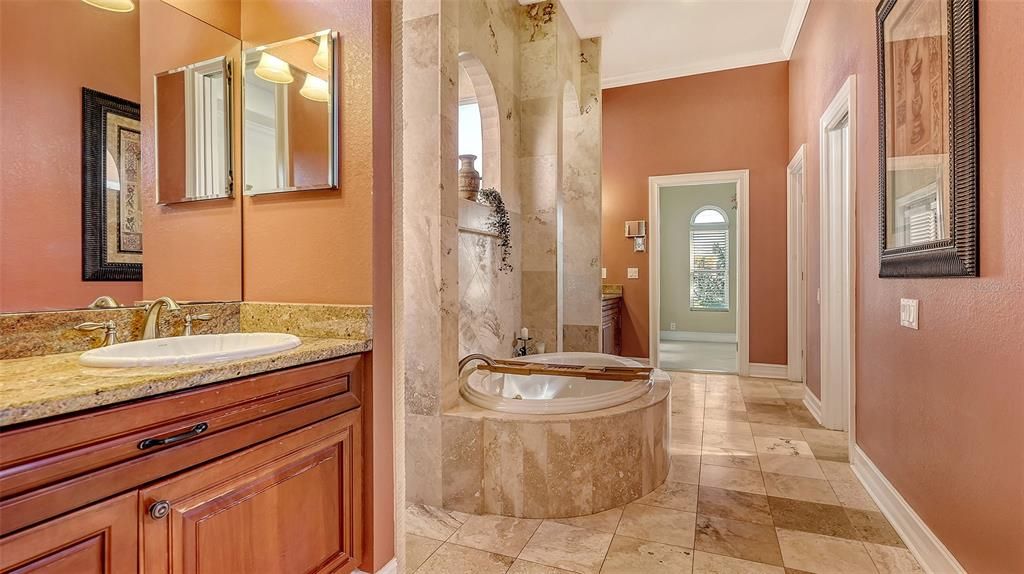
(741, 178)
(796, 291)
(838, 264)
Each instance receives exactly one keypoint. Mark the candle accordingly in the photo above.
(525, 333)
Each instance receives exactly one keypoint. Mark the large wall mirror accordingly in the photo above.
(193, 132)
(290, 126)
(81, 222)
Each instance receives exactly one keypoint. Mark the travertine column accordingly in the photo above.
(428, 350)
(538, 170)
(581, 204)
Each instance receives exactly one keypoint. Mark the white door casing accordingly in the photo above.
(742, 180)
(838, 259)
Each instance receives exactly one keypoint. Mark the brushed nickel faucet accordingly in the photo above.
(109, 331)
(474, 357)
(104, 302)
(190, 319)
(152, 328)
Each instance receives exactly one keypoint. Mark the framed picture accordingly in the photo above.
(928, 130)
(111, 196)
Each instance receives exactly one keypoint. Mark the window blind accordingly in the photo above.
(709, 269)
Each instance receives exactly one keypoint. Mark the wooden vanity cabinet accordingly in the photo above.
(273, 482)
(99, 539)
(286, 505)
(611, 326)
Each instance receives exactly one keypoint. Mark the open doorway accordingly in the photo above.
(698, 281)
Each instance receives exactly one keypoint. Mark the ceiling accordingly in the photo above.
(648, 40)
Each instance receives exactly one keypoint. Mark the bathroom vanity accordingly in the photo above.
(259, 473)
(611, 323)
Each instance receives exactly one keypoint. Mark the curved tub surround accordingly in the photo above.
(555, 465)
(552, 394)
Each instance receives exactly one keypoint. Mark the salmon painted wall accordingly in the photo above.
(938, 409)
(316, 246)
(734, 119)
(193, 251)
(41, 145)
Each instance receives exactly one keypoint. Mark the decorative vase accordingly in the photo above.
(469, 177)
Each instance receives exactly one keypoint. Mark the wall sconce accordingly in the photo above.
(315, 89)
(274, 69)
(322, 58)
(112, 5)
(637, 231)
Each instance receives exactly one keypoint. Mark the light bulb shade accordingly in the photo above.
(322, 59)
(112, 5)
(315, 89)
(273, 69)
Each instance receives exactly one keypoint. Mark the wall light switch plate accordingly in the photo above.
(632, 273)
(604, 273)
(908, 313)
(671, 326)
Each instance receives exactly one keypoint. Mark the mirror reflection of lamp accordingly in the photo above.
(315, 89)
(112, 5)
(322, 58)
(273, 69)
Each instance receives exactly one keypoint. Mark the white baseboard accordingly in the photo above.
(812, 403)
(697, 336)
(769, 371)
(930, 552)
(389, 568)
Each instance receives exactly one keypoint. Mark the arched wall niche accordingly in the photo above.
(482, 89)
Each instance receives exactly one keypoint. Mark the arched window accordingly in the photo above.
(709, 260)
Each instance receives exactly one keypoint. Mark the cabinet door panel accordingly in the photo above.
(287, 505)
(100, 539)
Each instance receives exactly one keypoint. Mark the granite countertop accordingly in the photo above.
(610, 291)
(33, 388)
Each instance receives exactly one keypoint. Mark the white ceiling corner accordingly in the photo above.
(650, 40)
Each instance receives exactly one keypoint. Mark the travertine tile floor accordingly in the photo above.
(756, 487)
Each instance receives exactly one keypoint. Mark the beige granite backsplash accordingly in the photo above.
(611, 289)
(309, 319)
(52, 332)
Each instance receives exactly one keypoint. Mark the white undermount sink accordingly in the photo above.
(192, 349)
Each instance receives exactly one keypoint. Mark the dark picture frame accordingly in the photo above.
(99, 241)
(956, 254)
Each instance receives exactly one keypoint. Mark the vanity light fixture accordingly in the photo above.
(273, 69)
(315, 89)
(322, 58)
(112, 5)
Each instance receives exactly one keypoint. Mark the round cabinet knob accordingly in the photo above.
(158, 510)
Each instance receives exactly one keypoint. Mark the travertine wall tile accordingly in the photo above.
(423, 460)
(462, 466)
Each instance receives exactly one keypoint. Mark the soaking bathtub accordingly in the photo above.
(552, 394)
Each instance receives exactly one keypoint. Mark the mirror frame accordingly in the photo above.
(956, 256)
(95, 266)
(228, 135)
(333, 106)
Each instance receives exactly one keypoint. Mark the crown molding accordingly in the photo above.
(712, 65)
(794, 25)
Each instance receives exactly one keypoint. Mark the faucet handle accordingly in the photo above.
(189, 317)
(109, 331)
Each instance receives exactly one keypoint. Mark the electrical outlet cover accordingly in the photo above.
(632, 273)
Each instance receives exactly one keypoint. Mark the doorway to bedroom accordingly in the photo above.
(698, 263)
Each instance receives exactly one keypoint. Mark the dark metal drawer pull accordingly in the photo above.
(193, 432)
